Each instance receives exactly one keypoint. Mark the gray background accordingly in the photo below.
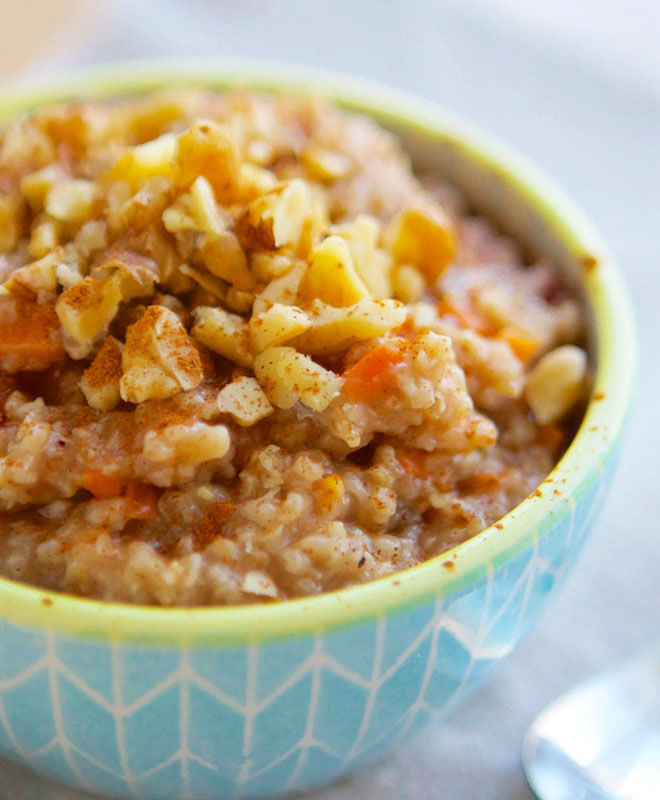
(575, 85)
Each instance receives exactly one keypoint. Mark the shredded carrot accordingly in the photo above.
(413, 461)
(407, 329)
(374, 374)
(481, 482)
(102, 485)
(328, 492)
(141, 500)
(32, 341)
(523, 344)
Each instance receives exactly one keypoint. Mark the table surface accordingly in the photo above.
(591, 116)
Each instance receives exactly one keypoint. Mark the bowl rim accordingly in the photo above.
(597, 436)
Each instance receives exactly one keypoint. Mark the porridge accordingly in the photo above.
(246, 354)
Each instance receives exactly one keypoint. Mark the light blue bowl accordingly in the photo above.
(257, 701)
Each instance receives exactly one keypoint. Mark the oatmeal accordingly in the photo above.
(247, 354)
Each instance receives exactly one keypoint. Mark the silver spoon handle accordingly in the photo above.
(601, 740)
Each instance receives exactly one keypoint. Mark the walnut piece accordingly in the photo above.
(335, 329)
(556, 383)
(288, 376)
(85, 310)
(287, 217)
(423, 237)
(159, 358)
(224, 333)
(100, 381)
(331, 276)
(244, 400)
(277, 325)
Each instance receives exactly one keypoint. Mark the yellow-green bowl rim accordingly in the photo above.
(599, 431)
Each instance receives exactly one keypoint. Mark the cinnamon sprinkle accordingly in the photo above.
(106, 366)
(212, 524)
(84, 294)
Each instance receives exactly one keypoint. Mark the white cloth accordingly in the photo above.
(591, 116)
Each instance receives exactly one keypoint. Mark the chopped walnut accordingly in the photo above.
(288, 216)
(281, 290)
(372, 263)
(335, 329)
(100, 381)
(207, 148)
(137, 274)
(224, 333)
(277, 325)
(70, 200)
(86, 310)
(331, 276)
(138, 164)
(324, 165)
(195, 210)
(222, 255)
(159, 358)
(288, 376)
(39, 277)
(556, 383)
(423, 237)
(244, 400)
(36, 185)
(268, 266)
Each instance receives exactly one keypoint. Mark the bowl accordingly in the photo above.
(258, 701)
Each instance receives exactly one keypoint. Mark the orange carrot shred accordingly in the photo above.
(373, 374)
(523, 344)
(32, 341)
(413, 461)
(481, 482)
(102, 485)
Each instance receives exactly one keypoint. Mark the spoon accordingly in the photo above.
(600, 740)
